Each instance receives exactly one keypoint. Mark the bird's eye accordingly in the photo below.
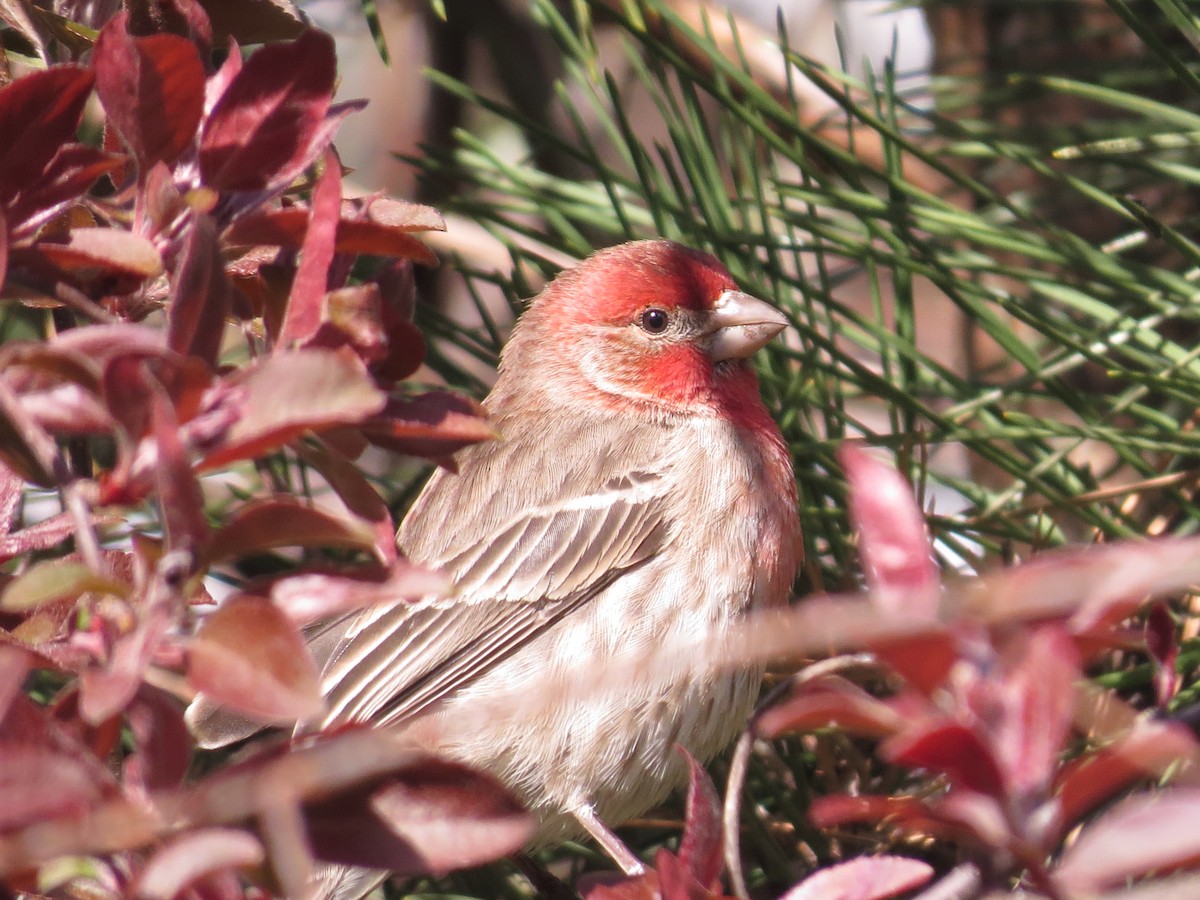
(653, 321)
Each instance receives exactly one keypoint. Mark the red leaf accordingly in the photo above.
(841, 809)
(152, 89)
(864, 878)
(162, 745)
(354, 490)
(69, 174)
(430, 817)
(700, 850)
(247, 656)
(288, 227)
(201, 294)
(14, 666)
(192, 856)
(179, 496)
(106, 250)
(1149, 750)
(830, 701)
(1154, 832)
(265, 121)
(39, 113)
(1163, 647)
(923, 660)
(434, 424)
(266, 524)
(893, 542)
(311, 281)
(951, 749)
(284, 395)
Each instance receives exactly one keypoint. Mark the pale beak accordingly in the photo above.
(741, 324)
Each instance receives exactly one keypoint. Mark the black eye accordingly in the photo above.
(653, 321)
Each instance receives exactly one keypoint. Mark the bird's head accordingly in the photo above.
(646, 323)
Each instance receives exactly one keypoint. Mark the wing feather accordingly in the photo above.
(516, 578)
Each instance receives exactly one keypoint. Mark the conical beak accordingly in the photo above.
(741, 324)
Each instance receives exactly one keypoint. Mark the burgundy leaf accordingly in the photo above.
(39, 113)
(162, 745)
(353, 317)
(829, 702)
(69, 174)
(951, 749)
(893, 542)
(1153, 832)
(430, 817)
(152, 89)
(434, 424)
(282, 396)
(310, 596)
(700, 850)
(179, 496)
(864, 878)
(311, 281)
(255, 21)
(194, 855)
(267, 524)
(1163, 647)
(264, 122)
(288, 227)
(201, 294)
(106, 250)
(247, 656)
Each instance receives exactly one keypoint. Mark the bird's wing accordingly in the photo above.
(515, 580)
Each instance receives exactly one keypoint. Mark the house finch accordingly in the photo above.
(639, 494)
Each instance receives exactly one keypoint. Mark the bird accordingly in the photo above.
(639, 495)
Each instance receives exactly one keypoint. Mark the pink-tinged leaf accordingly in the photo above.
(832, 810)
(1036, 699)
(248, 656)
(352, 317)
(106, 250)
(265, 120)
(187, 859)
(38, 783)
(11, 490)
(950, 749)
(893, 542)
(830, 702)
(1093, 586)
(25, 446)
(102, 343)
(67, 177)
(1153, 832)
(700, 850)
(434, 425)
(162, 745)
(201, 294)
(1148, 751)
(53, 580)
(68, 409)
(39, 113)
(42, 536)
(180, 500)
(152, 89)
(288, 227)
(282, 396)
(263, 525)
(611, 886)
(1163, 647)
(430, 817)
(310, 596)
(305, 301)
(864, 878)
